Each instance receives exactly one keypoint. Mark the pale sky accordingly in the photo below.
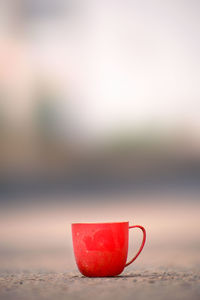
(122, 64)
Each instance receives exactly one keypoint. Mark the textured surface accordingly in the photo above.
(37, 261)
(144, 284)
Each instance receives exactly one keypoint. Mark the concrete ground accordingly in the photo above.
(36, 253)
(138, 284)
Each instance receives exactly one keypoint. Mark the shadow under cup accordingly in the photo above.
(101, 248)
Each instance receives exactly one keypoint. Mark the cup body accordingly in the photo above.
(100, 248)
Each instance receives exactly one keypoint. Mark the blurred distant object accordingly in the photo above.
(98, 91)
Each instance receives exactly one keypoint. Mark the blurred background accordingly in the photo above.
(99, 121)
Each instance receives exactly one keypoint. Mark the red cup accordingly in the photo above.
(101, 248)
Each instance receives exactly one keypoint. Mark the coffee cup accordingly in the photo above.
(101, 249)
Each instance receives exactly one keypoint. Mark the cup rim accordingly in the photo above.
(98, 223)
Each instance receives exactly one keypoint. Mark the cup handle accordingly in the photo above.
(142, 245)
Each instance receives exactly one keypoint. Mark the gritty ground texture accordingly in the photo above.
(37, 261)
(145, 284)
